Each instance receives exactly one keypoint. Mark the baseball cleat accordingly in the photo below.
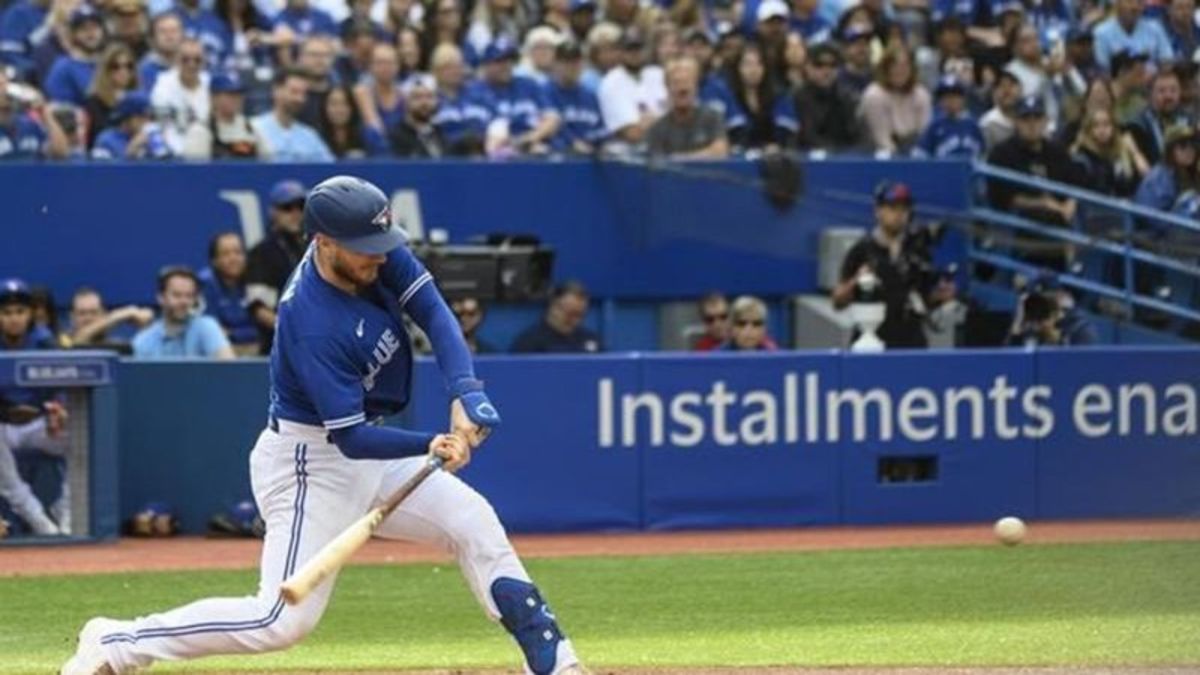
(89, 658)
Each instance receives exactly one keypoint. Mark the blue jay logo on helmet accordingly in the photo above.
(383, 219)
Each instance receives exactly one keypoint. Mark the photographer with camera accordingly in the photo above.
(900, 258)
(1046, 316)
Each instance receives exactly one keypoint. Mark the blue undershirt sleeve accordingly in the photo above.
(363, 441)
(430, 312)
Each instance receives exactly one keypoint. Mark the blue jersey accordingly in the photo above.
(948, 136)
(715, 93)
(69, 79)
(467, 114)
(965, 10)
(17, 27)
(579, 110)
(521, 102)
(37, 338)
(229, 306)
(814, 29)
(23, 139)
(209, 30)
(310, 21)
(340, 359)
(149, 70)
(113, 143)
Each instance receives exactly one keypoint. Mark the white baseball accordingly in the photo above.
(1010, 530)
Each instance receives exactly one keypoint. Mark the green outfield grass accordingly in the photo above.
(1135, 603)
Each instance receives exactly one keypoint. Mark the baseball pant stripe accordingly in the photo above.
(289, 567)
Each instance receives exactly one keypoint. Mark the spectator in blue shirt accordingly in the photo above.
(582, 130)
(1172, 184)
(166, 37)
(808, 22)
(760, 116)
(71, 74)
(133, 135)
(223, 284)
(302, 20)
(286, 138)
(463, 113)
(1128, 30)
(21, 135)
(1183, 29)
(181, 332)
(22, 26)
(561, 330)
(519, 101)
(205, 27)
(856, 73)
(953, 131)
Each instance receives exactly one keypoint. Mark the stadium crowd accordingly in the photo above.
(1112, 85)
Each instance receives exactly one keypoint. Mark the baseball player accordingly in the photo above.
(341, 361)
(29, 418)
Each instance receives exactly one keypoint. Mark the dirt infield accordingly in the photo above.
(186, 553)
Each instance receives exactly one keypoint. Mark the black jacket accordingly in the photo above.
(828, 118)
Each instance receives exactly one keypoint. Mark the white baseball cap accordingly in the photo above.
(771, 9)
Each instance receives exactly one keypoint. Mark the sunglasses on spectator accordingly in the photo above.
(291, 206)
(743, 323)
(713, 318)
(191, 59)
(121, 65)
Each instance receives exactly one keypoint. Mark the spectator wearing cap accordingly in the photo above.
(760, 116)
(1174, 180)
(23, 25)
(201, 24)
(272, 260)
(228, 134)
(714, 90)
(806, 20)
(286, 139)
(1130, 78)
(180, 96)
(519, 102)
(358, 43)
(602, 52)
(71, 74)
(537, 54)
(582, 129)
(166, 36)
(417, 137)
(1183, 29)
(22, 136)
(181, 331)
(223, 288)
(316, 59)
(1029, 67)
(378, 93)
(1030, 152)
(561, 330)
(1128, 30)
(997, 124)
(895, 108)
(581, 18)
(132, 135)
(1165, 111)
(748, 327)
(687, 130)
(826, 108)
(1081, 54)
(771, 29)
(856, 73)
(116, 75)
(463, 113)
(128, 24)
(494, 20)
(1107, 157)
(953, 131)
(359, 13)
(343, 130)
(632, 95)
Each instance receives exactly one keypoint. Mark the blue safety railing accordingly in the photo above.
(1142, 258)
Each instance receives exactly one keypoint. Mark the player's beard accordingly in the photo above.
(359, 278)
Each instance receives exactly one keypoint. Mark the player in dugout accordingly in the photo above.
(341, 362)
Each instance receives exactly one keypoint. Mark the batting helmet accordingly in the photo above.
(354, 213)
(15, 292)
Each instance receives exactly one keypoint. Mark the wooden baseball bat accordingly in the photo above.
(338, 552)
